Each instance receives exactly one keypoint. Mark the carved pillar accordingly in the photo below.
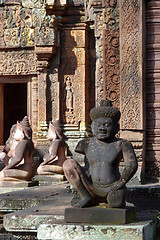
(34, 119)
(1, 114)
(42, 85)
(43, 55)
(74, 82)
(132, 73)
(111, 55)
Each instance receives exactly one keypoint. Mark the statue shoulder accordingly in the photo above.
(126, 144)
(26, 144)
(82, 145)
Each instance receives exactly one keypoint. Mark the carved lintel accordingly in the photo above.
(45, 53)
(42, 128)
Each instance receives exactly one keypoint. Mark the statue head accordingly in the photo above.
(105, 120)
(55, 130)
(25, 127)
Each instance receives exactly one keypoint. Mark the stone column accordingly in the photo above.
(74, 82)
(1, 114)
(43, 54)
(42, 85)
(132, 74)
(34, 119)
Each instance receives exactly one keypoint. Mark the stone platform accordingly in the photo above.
(44, 217)
(50, 205)
(31, 197)
(138, 231)
(11, 186)
(45, 180)
(148, 193)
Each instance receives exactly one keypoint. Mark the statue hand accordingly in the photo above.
(117, 185)
(49, 160)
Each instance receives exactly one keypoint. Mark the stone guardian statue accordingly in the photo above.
(20, 164)
(103, 153)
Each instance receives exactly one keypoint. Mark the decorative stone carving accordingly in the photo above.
(111, 65)
(17, 62)
(131, 73)
(27, 25)
(73, 76)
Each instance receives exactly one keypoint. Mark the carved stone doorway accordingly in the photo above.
(14, 105)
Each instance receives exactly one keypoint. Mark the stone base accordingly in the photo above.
(100, 215)
(11, 186)
(141, 230)
(32, 197)
(45, 180)
(149, 193)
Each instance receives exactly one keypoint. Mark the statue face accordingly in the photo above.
(51, 135)
(18, 135)
(103, 128)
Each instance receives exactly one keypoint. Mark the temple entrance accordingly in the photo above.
(15, 105)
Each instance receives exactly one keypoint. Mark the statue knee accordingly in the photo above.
(39, 170)
(116, 199)
(69, 164)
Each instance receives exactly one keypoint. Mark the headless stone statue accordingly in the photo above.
(103, 153)
(54, 160)
(20, 149)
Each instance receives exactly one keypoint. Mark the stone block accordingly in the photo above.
(141, 230)
(49, 179)
(100, 215)
(11, 186)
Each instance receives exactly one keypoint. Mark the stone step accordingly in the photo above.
(45, 180)
(141, 230)
(145, 196)
(54, 200)
(11, 186)
(31, 197)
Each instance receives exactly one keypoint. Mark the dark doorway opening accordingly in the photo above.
(15, 105)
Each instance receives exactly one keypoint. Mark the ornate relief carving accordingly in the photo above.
(12, 37)
(27, 25)
(73, 76)
(130, 65)
(17, 62)
(69, 115)
(111, 65)
(109, 3)
(111, 55)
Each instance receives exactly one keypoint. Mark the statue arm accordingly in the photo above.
(80, 148)
(7, 146)
(131, 165)
(19, 154)
(53, 153)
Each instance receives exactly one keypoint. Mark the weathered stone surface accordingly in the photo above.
(49, 179)
(142, 230)
(7, 186)
(144, 196)
(100, 215)
(30, 197)
(55, 199)
(131, 62)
